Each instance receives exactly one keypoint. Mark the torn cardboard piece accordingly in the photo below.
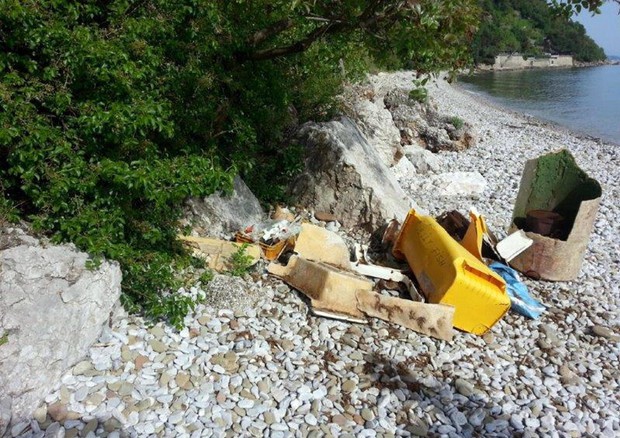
(429, 319)
(555, 183)
(332, 291)
(321, 245)
(217, 253)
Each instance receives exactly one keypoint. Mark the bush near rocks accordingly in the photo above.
(114, 112)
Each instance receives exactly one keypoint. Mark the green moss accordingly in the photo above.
(554, 182)
(4, 339)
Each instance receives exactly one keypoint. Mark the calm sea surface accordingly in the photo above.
(582, 99)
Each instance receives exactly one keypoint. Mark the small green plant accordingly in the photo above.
(419, 94)
(457, 122)
(240, 261)
(4, 339)
(206, 277)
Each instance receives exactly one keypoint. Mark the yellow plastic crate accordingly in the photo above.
(449, 274)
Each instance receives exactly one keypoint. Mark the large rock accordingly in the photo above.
(52, 308)
(376, 123)
(219, 214)
(423, 160)
(344, 175)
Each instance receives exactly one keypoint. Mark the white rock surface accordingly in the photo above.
(377, 125)
(344, 175)
(52, 308)
(219, 215)
(456, 184)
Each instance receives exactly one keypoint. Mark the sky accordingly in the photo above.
(604, 28)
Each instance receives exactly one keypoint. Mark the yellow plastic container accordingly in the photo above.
(449, 274)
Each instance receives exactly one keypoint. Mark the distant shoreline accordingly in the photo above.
(533, 120)
(486, 68)
(483, 99)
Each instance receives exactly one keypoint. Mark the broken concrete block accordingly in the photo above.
(554, 182)
(321, 245)
(430, 319)
(331, 291)
(217, 253)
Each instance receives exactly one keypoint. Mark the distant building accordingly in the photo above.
(515, 61)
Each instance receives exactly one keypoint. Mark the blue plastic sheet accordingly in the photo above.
(520, 299)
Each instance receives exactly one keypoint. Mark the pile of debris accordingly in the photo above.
(428, 275)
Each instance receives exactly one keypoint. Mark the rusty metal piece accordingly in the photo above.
(331, 291)
(454, 223)
(390, 233)
(543, 222)
(324, 216)
(430, 319)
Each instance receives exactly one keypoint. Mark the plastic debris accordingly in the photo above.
(273, 237)
(449, 274)
(384, 273)
(430, 319)
(520, 298)
(475, 234)
(513, 245)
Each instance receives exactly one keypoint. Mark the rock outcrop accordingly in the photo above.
(391, 118)
(218, 215)
(52, 309)
(376, 123)
(345, 175)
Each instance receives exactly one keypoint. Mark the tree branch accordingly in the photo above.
(274, 29)
(298, 46)
(369, 17)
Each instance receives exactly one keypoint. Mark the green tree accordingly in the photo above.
(533, 27)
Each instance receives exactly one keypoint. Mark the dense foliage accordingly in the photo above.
(112, 112)
(533, 27)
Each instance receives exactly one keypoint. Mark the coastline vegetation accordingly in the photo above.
(532, 28)
(113, 112)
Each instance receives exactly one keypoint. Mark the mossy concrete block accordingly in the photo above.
(554, 182)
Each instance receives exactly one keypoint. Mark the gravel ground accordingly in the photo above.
(276, 370)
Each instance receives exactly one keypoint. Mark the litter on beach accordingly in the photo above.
(449, 274)
(218, 253)
(520, 299)
(559, 199)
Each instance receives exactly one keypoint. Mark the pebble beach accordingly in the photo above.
(274, 369)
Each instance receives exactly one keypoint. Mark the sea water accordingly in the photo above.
(586, 99)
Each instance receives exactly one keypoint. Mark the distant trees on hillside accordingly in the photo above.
(531, 27)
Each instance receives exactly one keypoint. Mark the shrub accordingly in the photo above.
(113, 112)
(457, 122)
